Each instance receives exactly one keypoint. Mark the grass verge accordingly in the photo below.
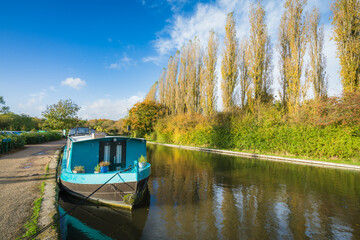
(31, 225)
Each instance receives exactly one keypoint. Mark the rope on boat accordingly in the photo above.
(66, 213)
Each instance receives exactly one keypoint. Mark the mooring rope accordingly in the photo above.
(66, 213)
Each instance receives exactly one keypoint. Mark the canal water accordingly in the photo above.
(198, 195)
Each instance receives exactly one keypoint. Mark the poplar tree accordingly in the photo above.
(245, 91)
(316, 73)
(346, 33)
(209, 86)
(182, 81)
(151, 95)
(284, 52)
(170, 83)
(292, 41)
(229, 64)
(199, 85)
(260, 54)
(193, 71)
(162, 86)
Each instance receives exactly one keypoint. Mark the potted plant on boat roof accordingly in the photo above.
(142, 161)
(78, 169)
(97, 169)
(104, 167)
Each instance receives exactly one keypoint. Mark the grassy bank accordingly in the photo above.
(306, 134)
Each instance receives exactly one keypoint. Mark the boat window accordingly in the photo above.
(106, 153)
(118, 153)
(72, 131)
(83, 130)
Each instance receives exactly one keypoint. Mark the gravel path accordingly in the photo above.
(21, 174)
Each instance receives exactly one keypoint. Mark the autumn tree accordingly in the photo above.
(62, 115)
(182, 81)
(143, 116)
(192, 76)
(316, 73)
(170, 82)
(209, 75)
(292, 46)
(244, 77)
(346, 33)
(229, 64)
(260, 55)
(151, 95)
(162, 87)
(284, 56)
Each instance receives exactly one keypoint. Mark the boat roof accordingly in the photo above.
(89, 138)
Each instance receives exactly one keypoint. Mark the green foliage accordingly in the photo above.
(107, 125)
(329, 129)
(39, 137)
(143, 116)
(61, 115)
(142, 159)
(15, 122)
(79, 169)
(3, 108)
(97, 168)
(18, 141)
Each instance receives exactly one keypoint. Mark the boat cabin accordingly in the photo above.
(90, 150)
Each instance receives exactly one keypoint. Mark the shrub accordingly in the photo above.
(39, 137)
(269, 130)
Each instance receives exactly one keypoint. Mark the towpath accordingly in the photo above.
(21, 175)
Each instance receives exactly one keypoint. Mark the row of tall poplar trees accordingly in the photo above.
(189, 83)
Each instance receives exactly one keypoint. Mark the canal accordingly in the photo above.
(198, 195)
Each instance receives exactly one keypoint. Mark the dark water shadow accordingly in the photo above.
(91, 221)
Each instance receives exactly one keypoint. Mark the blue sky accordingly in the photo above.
(105, 55)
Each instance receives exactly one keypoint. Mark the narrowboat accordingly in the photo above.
(125, 182)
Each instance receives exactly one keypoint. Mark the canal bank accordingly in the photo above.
(21, 176)
(265, 157)
(48, 211)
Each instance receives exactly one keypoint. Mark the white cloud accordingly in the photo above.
(35, 99)
(108, 108)
(52, 88)
(76, 83)
(154, 59)
(149, 59)
(124, 62)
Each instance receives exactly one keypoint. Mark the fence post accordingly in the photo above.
(9, 141)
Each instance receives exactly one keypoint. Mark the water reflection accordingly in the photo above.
(89, 221)
(197, 195)
(203, 195)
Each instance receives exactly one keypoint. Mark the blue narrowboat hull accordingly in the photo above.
(126, 189)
